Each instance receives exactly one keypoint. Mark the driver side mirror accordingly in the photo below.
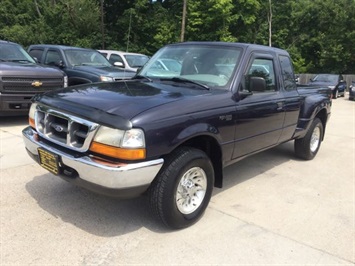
(60, 64)
(257, 84)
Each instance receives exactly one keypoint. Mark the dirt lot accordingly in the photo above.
(273, 209)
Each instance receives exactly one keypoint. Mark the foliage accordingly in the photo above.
(317, 33)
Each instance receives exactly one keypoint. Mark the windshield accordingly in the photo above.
(86, 58)
(326, 78)
(136, 60)
(209, 65)
(14, 53)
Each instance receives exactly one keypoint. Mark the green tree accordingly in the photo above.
(317, 33)
(321, 35)
(72, 22)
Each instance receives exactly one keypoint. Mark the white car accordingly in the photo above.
(130, 61)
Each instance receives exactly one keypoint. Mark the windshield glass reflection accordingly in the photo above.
(212, 66)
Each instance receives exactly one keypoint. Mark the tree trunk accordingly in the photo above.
(270, 23)
(183, 21)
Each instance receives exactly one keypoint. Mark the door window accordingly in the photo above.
(52, 58)
(263, 69)
(36, 53)
(115, 58)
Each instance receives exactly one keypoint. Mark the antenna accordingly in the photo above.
(129, 29)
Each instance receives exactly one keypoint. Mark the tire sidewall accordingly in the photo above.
(336, 94)
(303, 145)
(317, 124)
(174, 217)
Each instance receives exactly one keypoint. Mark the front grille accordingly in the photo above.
(18, 84)
(63, 129)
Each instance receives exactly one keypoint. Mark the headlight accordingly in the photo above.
(121, 144)
(65, 81)
(106, 79)
(31, 115)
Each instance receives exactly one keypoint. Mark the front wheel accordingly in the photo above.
(308, 146)
(182, 190)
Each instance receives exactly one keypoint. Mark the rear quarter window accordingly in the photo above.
(287, 73)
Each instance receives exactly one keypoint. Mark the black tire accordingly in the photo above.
(196, 168)
(308, 146)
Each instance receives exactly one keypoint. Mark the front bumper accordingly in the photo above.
(118, 180)
(13, 105)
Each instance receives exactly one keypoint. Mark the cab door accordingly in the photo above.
(260, 109)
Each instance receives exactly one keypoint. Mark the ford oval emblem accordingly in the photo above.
(58, 128)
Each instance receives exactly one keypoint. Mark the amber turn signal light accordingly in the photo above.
(119, 153)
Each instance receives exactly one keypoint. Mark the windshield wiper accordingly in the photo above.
(21, 60)
(179, 79)
(142, 77)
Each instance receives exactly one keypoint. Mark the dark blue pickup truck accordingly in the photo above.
(171, 132)
(81, 65)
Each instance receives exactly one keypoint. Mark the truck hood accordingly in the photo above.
(28, 70)
(106, 71)
(115, 103)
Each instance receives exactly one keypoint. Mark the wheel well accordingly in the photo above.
(213, 150)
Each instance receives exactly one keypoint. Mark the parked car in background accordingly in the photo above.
(352, 90)
(21, 78)
(80, 64)
(129, 61)
(169, 66)
(333, 81)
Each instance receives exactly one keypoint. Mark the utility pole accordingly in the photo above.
(270, 22)
(183, 21)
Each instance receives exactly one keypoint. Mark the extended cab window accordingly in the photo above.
(287, 73)
(261, 70)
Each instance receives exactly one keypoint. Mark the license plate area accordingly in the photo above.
(48, 161)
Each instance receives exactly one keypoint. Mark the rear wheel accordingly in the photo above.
(308, 146)
(182, 190)
(336, 94)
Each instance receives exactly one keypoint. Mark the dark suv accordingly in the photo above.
(21, 78)
(80, 64)
(333, 81)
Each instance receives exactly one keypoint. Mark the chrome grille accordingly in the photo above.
(63, 129)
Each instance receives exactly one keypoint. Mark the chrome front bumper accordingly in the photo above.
(116, 177)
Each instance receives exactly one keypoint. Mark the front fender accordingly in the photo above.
(196, 130)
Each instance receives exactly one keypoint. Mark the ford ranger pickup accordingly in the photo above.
(169, 133)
